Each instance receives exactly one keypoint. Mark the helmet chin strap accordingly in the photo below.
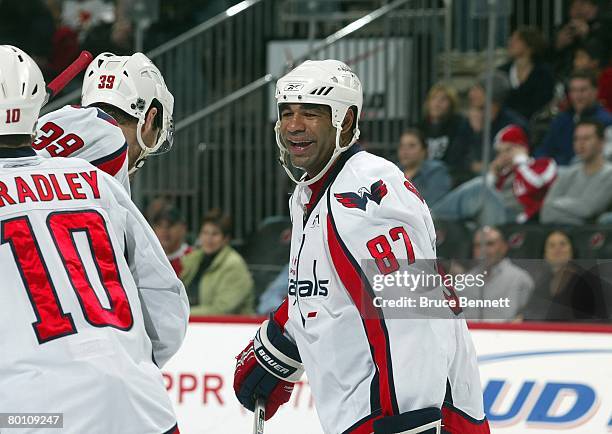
(144, 149)
(338, 149)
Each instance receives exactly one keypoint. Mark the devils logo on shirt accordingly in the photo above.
(377, 191)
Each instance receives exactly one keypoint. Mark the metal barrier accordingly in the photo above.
(470, 21)
(220, 72)
(211, 60)
(226, 154)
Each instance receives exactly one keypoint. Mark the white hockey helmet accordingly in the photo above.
(131, 83)
(22, 91)
(328, 82)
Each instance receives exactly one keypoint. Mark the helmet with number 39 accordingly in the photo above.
(22, 92)
(133, 84)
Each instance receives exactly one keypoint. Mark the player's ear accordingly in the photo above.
(150, 119)
(349, 119)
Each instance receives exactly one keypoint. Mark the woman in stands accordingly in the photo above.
(531, 80)
(441, 125)
(564, 290)
(216, 277)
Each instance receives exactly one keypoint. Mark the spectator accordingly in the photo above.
(502, 279)
(217, 279)
(156, 206)
(532, 82)
(171, 231)
(471, 139)
(83, 15)
(520, 184)
(584, 24)
(28, 25)
(564, 291)
(441, 125)
(584, 190)
(430, 177)
(65, 44)
(275, 293)
(592, 55)
(557, 143)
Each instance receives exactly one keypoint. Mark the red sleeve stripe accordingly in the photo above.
(455, 421)
(112, 163)
(173, 430)
(281, 315)
(372, 319)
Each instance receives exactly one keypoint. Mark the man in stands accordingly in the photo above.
(583, 191)
(90, 308)
(471, 138)
(126, 115)
(516, 185)
(557, 143)
(502, 278)
(171, 230)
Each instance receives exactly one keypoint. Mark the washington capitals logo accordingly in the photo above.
(377, 191)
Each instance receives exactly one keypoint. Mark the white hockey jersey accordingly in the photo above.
(84, 132)
(362, 366)
(90, 307)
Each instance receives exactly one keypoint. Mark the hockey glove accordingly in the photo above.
(267, 368)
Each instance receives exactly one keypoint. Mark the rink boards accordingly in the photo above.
(536, 378)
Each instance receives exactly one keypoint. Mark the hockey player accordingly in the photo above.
(126, 115)
(368, 373)
(90, 308)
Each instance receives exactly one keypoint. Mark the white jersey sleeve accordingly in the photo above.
(88, 133)
(89, 305)
(164, 300)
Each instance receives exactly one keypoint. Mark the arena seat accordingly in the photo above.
(593, 242)
(525, 241)
(266, 250)
(453, 240)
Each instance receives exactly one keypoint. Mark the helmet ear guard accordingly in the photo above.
(326, 82)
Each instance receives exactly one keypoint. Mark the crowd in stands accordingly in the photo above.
(216, 277)
(54, 32)
(548, 166)
(550, 154)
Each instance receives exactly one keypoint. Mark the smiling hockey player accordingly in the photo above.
(368, 373)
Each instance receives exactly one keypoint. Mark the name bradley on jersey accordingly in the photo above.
(46, 187)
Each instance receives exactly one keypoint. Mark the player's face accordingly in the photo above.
(212, 239)
(308, 134)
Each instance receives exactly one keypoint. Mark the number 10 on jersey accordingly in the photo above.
(52, 322)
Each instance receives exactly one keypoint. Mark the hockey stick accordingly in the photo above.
(259, 416)
(66, 76)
